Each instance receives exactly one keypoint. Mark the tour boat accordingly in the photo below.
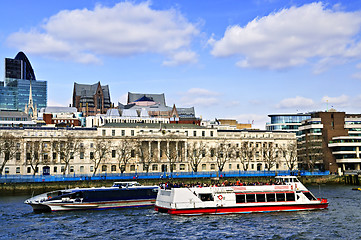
(120, 195)
(287, 193)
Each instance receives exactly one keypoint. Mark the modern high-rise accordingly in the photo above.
(14, 91)
(286, 122)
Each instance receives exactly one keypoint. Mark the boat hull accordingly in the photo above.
(244, 209)
(92, 205)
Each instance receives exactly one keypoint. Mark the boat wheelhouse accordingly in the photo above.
(120, 195)
(285, 194)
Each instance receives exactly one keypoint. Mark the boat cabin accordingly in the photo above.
(126, 184)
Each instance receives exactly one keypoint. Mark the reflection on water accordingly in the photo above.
(340, 220)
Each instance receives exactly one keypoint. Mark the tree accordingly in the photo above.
(313, 153)
(145, 154)
(246, 153)
(32, 155)
(224, 152)
(124, 153)
(172, 151)
(67, 148)
(289, 153)
(101, 150)
(196, 153)
(8, 148)
(269, 155)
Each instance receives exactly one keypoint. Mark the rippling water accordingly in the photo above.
(340, 220)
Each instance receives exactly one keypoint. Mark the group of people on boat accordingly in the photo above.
(169, 185)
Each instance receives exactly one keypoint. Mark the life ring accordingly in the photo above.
(220, 197)
(291, 187)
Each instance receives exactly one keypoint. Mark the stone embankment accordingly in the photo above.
(37, 188)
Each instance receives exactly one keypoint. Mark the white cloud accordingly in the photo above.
(356, 75)
(341, 101)
(297, 102)
(125, 29)
(199, 97)
(293, 37)
(182, 58)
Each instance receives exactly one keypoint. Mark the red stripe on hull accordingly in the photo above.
(250, 209)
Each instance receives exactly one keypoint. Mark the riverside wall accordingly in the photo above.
(8, 189)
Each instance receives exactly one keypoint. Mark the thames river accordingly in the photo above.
(340, 220)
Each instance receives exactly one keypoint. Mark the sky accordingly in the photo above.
(229, 59)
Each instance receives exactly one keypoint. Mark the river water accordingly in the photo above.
(340, 220)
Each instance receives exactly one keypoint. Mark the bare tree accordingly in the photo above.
(171, 151)
(246, 152)
(289, 152)
(8, 148)
(101, 150)
(32, 155)
(269, 155)
(124, 153)
(196, 153)
(145, 154)
(311, 153)
(224, 152)
(67, 148)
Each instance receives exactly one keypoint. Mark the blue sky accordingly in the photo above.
(229, 59)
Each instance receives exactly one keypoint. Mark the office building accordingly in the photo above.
(15, 90)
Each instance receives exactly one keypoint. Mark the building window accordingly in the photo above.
(28, 170)
(55, 169)
(194, 133)
(103, 132)
(91, 168)
(113, 133)
(212, 152)
(114, 153)
(213, 166)
(104, 168)
(18, 155)
(154, 167)
(81, 155)
(54, 156)
(91, 145)
(62, 169)
(132, 132)
(17, 169)
(91, 155)
(230, 166)
(203, 133)
(123, 132)
(81, 169)
(182, 167)
(7, 170)
(114, 168)
(211, 133)
(132, 153)
(71, 169)
(132, 167)
(204, 167)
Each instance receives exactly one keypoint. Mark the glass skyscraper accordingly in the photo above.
(14, 91)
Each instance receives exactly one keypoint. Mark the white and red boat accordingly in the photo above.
(287, 194)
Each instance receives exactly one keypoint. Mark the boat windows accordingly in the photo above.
(280, 197)
(271, 197)
(205, 197)
(290, 197)
(261, 197)
(309, 196)
(251, 198)
(240, 198)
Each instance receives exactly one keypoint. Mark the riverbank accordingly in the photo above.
(8, 189)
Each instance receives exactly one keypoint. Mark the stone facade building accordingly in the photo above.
(149, 148)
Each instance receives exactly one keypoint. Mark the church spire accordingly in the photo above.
(30, 105)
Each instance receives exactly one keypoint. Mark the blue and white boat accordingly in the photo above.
(120, 195)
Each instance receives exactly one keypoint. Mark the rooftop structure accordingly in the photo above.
(91, 99)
